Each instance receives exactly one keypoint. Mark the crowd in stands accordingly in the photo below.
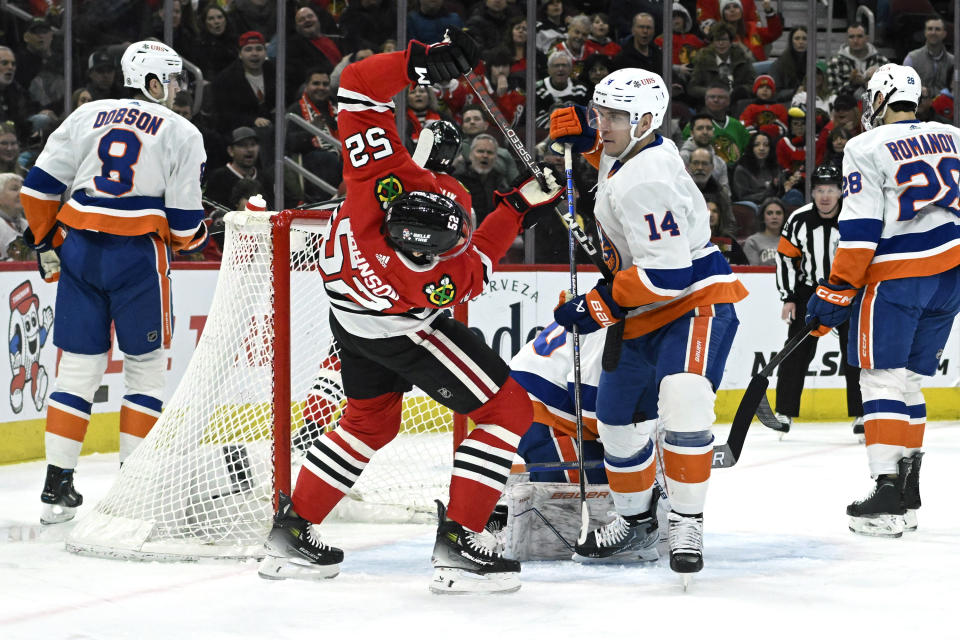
(739, 112)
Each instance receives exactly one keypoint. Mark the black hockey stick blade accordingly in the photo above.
(766, 416)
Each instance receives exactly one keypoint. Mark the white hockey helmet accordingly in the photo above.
(896, 83)
(637, 92)
(148, 57)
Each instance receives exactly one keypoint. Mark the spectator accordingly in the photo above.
(9, 147)
(12, 221)
(39, 68)
(551, 24)
(364, 50)
(836, 143)
(430, 21)
(422, 107)
(848, 69)
(14, 105)
(723, 229)
(932, 61)
(557, 87)
(824, 98)
(637, 50)
(506, 90)
(80, 97)
(791, 66)
(720, 61)
(749, 33)
(757, 176)
(244, 152)
(761, 247)
(595, 68)
(102, 76)
(517, 45)
(308, 48)
(184, 23)
(243, 93)
(475, 124)
(790, 148)
(480, 177)
(488, 23)
(370, 20)
(216, 44)
(574, 43)
(763, 114)
(730, 137)
(319, 156)
(599, 40)
(623, 13)
(700, 167)
(926, 111)
(685, 43)
(943, 105)
(212, 140)
(254, 15)
(844, 114)
(708, 13)
(702, 137)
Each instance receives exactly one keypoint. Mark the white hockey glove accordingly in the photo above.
(48, 251)
(529, 200)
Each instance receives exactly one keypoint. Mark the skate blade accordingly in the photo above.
(274, 568)
(644, 556)
(687, 578)
(880, 526)
(910, 520)
(56, 513)
(458, 581)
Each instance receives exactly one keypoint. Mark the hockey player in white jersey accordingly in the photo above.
(673, 290)
(131, 170)
(896, 277)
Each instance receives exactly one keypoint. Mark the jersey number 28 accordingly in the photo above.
(935, 180)
(119, 151)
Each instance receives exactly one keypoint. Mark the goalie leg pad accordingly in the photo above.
(886, 419)
(69, 406)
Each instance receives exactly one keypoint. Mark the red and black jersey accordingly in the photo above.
(374, 290)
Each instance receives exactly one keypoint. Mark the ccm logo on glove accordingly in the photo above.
(842, 298)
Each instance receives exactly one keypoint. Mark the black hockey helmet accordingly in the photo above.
(827, 174)
(437, 146)
(426, 223)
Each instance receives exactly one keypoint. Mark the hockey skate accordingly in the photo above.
(60, 500)
(294, 549)
(881, 513)
(624, 539)
(858, 429)
(909, 469)
(785, 423)
(686, 544)
(468, 562)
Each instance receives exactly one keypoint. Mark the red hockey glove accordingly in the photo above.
(529, 200)
(830, 304)
(48, 251)
(443, 61)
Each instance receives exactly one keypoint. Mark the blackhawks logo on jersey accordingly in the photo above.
(388, 189)
(441, 293)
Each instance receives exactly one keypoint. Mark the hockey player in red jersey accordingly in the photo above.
(398, 254)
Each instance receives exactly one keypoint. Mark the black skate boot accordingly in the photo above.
(625, 539)
(909, 469)
(294, 548)
(858, 428)
(686, 542)
(881, 513)
(468, 562)
(60, 500)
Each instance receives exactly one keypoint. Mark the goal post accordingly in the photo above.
(262, 384)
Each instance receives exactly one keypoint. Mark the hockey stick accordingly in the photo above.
(577, 399)
(726, 455)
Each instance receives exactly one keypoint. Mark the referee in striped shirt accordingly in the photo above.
(808, 242)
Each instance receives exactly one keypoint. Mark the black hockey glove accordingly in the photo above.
(199, 241)
(529, 200)
(48, 251)
(454, 56)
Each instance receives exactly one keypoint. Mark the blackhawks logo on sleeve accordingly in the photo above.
(388, 189)
(441, 293)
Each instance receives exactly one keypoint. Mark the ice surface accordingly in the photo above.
(780, 563)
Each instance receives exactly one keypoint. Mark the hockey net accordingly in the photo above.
(203, 482)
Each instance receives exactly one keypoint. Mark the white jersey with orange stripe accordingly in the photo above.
(654, 215)
(129, 167)
(901, 214)
(544, 367)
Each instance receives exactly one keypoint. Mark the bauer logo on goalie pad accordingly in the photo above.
(441, 293)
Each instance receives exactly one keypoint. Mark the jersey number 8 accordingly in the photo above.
(116, 175)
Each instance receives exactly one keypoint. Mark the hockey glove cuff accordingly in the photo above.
(199, 241)
(569, 125)
(831, 305)
(588, 312)
(528, 199)
(456, 55)
(48, 251)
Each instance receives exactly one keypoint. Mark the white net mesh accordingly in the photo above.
(201, 483)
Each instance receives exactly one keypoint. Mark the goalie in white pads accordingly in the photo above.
(896, 276)
(673, 290)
